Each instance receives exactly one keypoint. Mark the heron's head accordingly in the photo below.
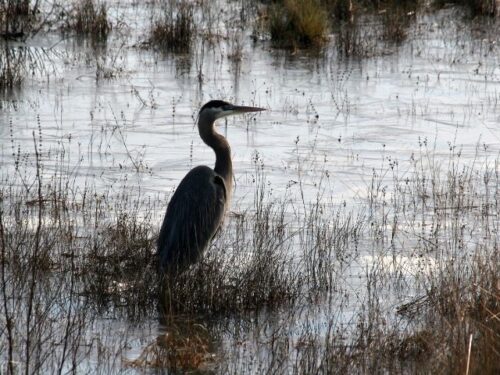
(216, 109)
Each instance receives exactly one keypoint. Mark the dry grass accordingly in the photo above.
(298, 24)
(18, 18)
(11, 68)
(249, 268)
(62, 257)
(175, 29)
(397, 17)
(89, 18)
(369, 22)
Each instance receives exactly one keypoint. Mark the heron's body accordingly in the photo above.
(203, 193)
(199, 203)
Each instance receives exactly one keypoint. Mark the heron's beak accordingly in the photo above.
(236, 109)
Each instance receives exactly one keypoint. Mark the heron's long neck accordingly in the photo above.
(223, 164)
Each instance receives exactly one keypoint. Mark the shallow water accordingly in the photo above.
(329, 119)
(348, 116)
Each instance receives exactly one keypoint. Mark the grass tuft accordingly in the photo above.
(175, 30)
(298, 24)
(248, 269)
(18, 18)
(397, 17)
(90, 18)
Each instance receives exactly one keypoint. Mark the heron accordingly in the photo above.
(198, 206)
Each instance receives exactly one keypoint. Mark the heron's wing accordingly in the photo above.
(194, 214)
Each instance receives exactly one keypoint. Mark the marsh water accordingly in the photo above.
(125, 117)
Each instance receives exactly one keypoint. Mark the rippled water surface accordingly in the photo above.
(347, 115)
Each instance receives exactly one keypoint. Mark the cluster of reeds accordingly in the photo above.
(11, 68)
(449, 218)
(306, 24)
(356, 25)
(266, 258)
(18, 18)
(89, 18)
(433, 243)
(294, 23)
(63, 257)
(175, 29)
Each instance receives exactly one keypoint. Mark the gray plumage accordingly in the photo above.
(197, 208)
